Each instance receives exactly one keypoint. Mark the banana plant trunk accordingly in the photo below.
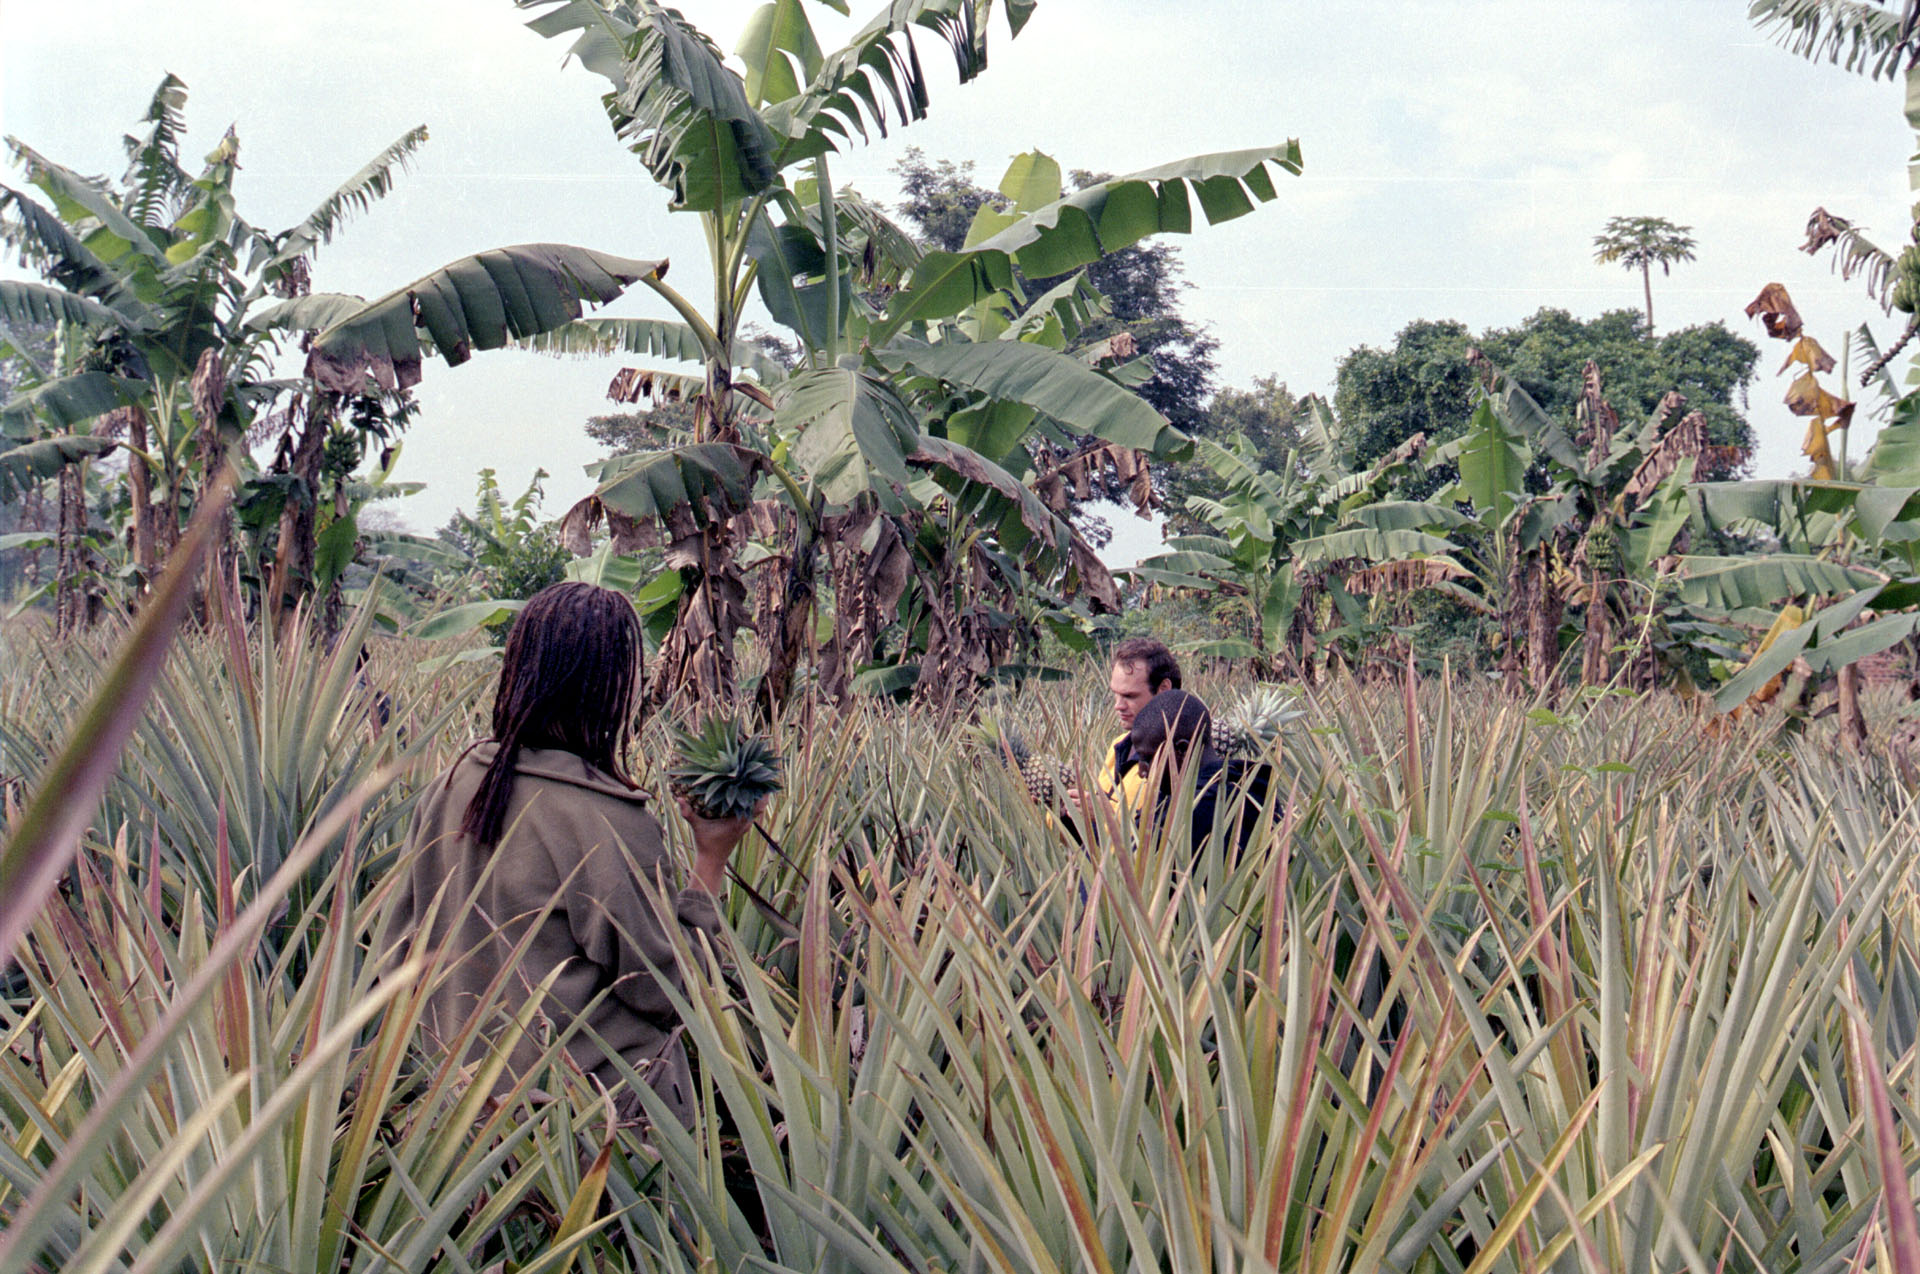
(787, 637)
(72, 609)
(140, 487)
(294, 548)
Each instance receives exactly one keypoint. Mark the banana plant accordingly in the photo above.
(1307, 537)
(1587, 521)
(160, 281)
(896, 343)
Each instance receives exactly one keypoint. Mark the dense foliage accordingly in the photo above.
(1489, 986)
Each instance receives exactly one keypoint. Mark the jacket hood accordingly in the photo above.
(558, 765)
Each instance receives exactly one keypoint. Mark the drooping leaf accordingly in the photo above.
(27, 465)
(1370, 545)
(653, 338)
(1051, 383)
(710, 480)
(76, 199)
(1878, 508)
(66, 402)
(1107, 216)
(852, 428)
(1730, 584)
(476, 303)
(313, 312)
(1410, 515)
(460, 620)
(37, 305)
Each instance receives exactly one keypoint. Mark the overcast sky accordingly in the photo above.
(1460, 158)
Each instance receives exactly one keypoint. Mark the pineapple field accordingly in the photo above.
(1495, 984)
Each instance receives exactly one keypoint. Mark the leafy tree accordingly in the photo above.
(164, 283)
(1268, 416)
(1425, 383)
(1142, 284)
(1640, 243)
(934, 386)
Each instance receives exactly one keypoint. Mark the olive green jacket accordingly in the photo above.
(580, 839)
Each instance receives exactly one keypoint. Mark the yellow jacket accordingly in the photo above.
(1121, 780)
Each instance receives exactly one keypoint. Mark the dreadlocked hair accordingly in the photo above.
(567, 681)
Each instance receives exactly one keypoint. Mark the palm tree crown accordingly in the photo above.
(1641, 243)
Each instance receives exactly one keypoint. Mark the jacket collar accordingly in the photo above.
(561, 767)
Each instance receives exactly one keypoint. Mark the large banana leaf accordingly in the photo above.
(1050, 382)
(66, 402)
(1780, 504)
(852, 427)
(945, 284)
(1493, 462)
(970, 465)
(792, 279)
(1895, 458)
(779, 50)
(850, 90)
(1370, 545)
(1735, 583)
(76, 199)
(712, 478)
(37, 305)
(478, 302)
(655, 338)
(1661, 518)
(314, 312)
(48, 240)
(355, 195)
(1107, 216)
(1824, 641)
(24, 466)
(1877, 509)
(1410, 515)
(685, 113)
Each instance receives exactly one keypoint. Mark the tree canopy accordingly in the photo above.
(1142, 283)
(1424, 383)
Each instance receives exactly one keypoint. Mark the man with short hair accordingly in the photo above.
(1142, 667)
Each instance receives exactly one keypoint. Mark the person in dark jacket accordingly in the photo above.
(1178, 723)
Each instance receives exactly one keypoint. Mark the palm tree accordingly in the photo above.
(1643, 242)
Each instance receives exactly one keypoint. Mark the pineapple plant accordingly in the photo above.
(1249, 727)
(723, 771)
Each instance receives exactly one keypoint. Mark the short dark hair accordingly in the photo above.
(1176, 718)
(1153, 655)
(568, 680)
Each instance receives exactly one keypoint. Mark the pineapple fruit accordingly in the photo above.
(723, 771)
(1045, 777)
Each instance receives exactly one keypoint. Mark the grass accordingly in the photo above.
(1491, 988)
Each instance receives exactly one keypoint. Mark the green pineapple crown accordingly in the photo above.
(1251, 725)
(723, 771)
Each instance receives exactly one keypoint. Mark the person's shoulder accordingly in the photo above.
(569, 770)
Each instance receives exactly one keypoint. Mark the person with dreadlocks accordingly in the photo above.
(536, 836)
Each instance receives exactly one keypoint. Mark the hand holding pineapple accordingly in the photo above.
(721, 778)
